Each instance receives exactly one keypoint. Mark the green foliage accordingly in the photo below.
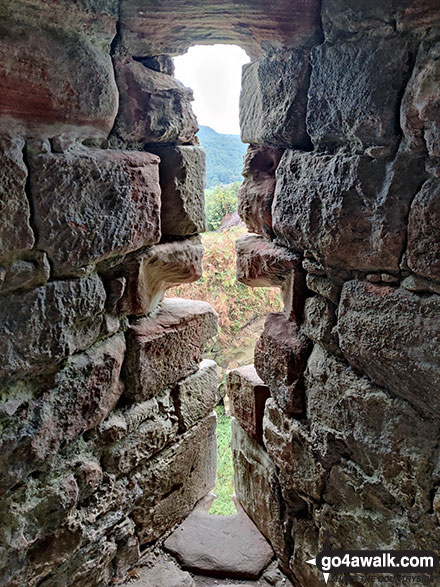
(220, 201)
(224, 488)
(224, 156)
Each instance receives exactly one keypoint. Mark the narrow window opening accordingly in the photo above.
(214, 74)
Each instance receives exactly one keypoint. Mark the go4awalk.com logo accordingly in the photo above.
(401, 562)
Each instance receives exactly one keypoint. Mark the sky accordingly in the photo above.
(214, 74)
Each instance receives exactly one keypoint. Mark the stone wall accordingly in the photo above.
(108, 437)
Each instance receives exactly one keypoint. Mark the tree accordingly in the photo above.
(220, 201)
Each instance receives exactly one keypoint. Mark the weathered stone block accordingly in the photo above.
(256, 193)
(297, 455)
(148, 274)
(82, 394)
(306, 544)
(16, 233)
(261, 263)
(102, 203)
(40, 327)
(175, 336)
(363, 17)
(393, 336)
(423, 250)
(319, 320)
(324, 287)
(385, 436)
(153, 107)
(175, 480)
(355, 91)
(151, 29)
(280, 358)
(182, 180)
(258, 490)
(273, 100)
(248, 395)
(149, 427)
(420, 118)
(349, 211)
(22, 274)
(65, 82)
(196, 395)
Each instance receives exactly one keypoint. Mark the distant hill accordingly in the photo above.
(224, 156)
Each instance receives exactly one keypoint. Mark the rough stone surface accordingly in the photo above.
(273, 100)
(134, 435)
(163, 572)
(174, 336)
(42, 326)
(261, 263)
(65, 81)
(423, 250)
(196, 395)
(256, 193)
(377, 334)
(248, 395)
(154, 107)
(420, 117)
(175, 480)
(22, 274)
(223, 546)
(81, 395)
(258, 490)
(300, 459)
(15, 231)
(280, 357)
(324, 287)
(182, 179)
(319, 321)
(149, 273)
(149, 29)
(102, 203)
(355, 91)
(353, 19)
(349, 211)
(373, 427)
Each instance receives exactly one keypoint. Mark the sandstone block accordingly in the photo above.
(149, 426)
(319, 320)
(385, 436)
(423, 251)
(22, 274)
(151, 29)
(196, 395)
(163, 572)
(102, 203)
(349, 211)
(248, 395)
(175, 336)
(42, 326)
(65, 82)
(306, 544)
(324, 287)
(420, 118)
(292, 449)
(355, 90)
(182, 180)
(393, 336)
(273, 100)
(261, 263)
(382, 19)
(256, 193)
(16, 233)
(280, 358)
(82, 394)
(175, 480)
(258, 491)
(148, 274)
(153, 107)
(220, 546)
